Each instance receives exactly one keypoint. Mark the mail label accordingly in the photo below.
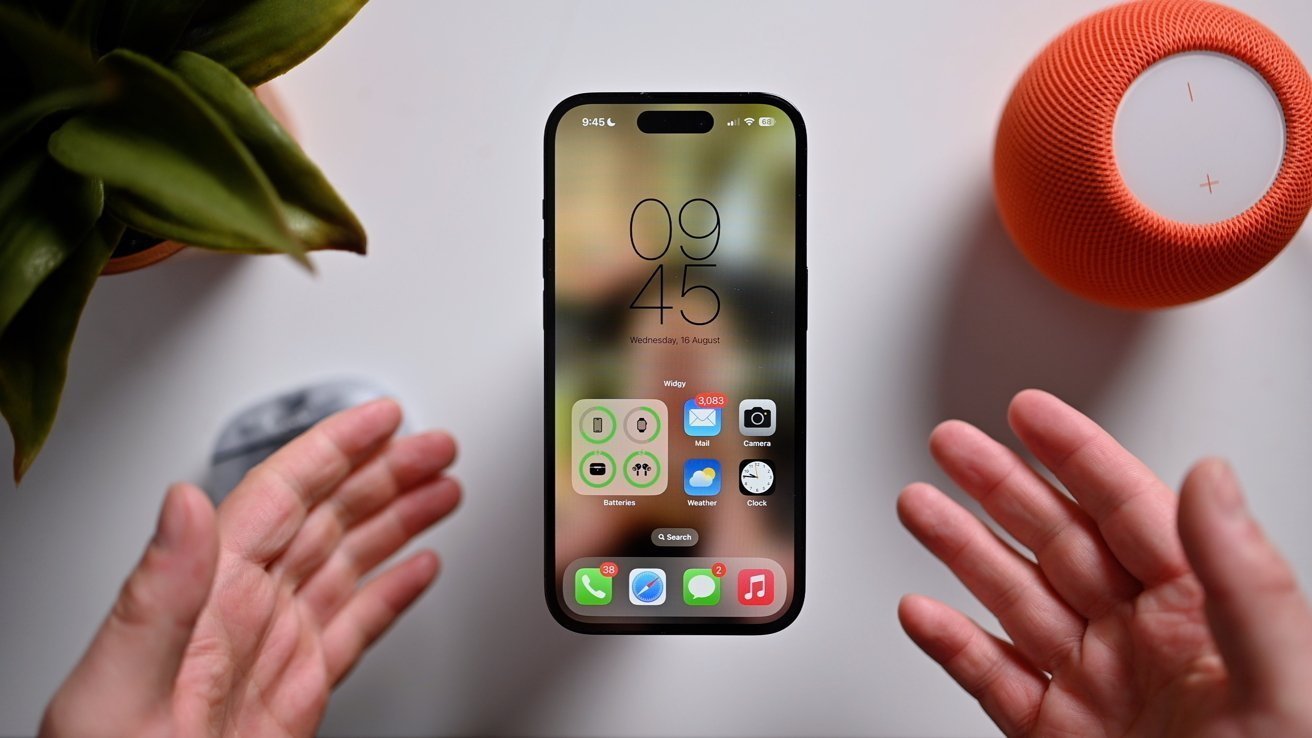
(701, 421)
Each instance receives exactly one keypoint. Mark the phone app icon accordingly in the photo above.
(647, 586)
(701, 477)
(591, 588)
(756, 417)
(755, 587)
(701, 421)
(701, 587)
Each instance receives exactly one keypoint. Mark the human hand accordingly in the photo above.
(242, 622)
(1123, 627)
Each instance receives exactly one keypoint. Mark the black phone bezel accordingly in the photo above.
(674, 626)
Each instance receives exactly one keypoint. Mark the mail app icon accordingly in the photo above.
(701, 421)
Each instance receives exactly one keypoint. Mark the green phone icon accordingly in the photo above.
(591, 588)
(701, 587)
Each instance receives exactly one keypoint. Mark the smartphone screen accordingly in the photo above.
(675, 341)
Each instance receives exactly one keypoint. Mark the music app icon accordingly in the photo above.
(755, 587)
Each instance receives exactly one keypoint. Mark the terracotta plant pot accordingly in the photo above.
(138, 251)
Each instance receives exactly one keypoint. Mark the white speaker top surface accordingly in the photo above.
(1199, 137)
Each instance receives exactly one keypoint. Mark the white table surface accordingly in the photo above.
(428, 116)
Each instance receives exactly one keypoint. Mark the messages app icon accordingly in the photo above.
(700, 587)
(701, 477)
(701, 421)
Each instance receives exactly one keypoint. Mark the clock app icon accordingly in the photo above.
(756, 477)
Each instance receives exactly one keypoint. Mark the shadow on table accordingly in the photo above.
(132, 315)
(1006, 328)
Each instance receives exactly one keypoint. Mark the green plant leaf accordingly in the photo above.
(158, 146)
(51, 61)
(50, 11)
(41, 72)
(45, 213)
(22, 117)
(314, 210)
(82, 22)
(152, 27)
(260, 39)
(34, 348)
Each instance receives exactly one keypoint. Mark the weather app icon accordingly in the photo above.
(701, 477)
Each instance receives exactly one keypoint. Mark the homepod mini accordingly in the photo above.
(1157, 153)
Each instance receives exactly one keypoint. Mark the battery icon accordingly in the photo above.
(765, 121)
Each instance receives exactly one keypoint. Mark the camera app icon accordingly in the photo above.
(756, 417)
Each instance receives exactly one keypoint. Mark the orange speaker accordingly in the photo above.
(1157, 153)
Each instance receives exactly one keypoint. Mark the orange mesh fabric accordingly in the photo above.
(1058, 187)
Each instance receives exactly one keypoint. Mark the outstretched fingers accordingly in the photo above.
(1044, 627)
(373, 541)
(1257, 614)
(991, 670)
(372, 610)
(128, 673)
(1130, 505)
(1065, 541)
(404, 465)
(268, 507)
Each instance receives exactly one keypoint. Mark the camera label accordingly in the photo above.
(756, 417)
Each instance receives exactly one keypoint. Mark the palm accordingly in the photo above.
(1116, 630)
(258, 646)
(287, 619)
(242, 622)
(1140, 666)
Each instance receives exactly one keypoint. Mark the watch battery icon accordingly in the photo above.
(765, 121)
(642, 425)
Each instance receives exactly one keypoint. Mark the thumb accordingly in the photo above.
(130, 668)
(1258, 616)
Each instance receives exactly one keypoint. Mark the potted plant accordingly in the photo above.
(138, 117)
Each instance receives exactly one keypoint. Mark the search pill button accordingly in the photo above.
(674, 537)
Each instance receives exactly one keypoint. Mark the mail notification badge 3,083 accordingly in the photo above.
(618, 447)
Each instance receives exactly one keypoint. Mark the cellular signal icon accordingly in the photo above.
(732, 122)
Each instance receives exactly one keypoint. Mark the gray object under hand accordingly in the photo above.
(259, 430)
